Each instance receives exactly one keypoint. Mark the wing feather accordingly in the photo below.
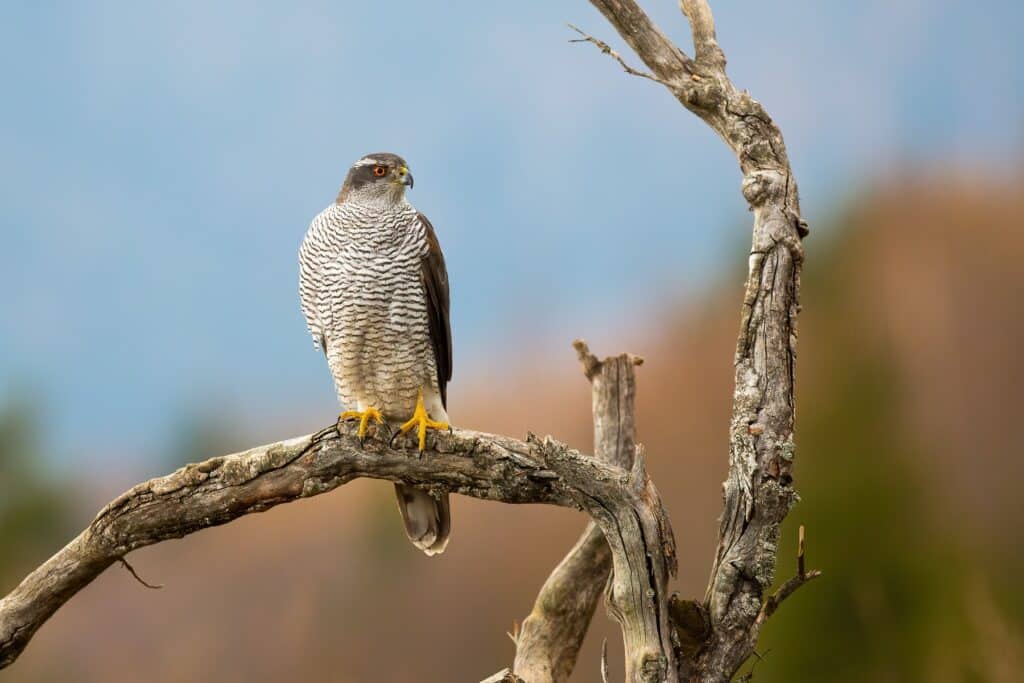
(435, 285)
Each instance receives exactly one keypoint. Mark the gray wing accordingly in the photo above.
(435, 284)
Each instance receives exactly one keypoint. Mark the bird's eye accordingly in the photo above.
(379, 171)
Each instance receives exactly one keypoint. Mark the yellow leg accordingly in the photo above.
(364, 419)
(422, 422)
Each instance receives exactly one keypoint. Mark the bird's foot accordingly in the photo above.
(364, 417)
(421, 421)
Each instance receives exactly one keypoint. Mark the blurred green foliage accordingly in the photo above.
(35, 511)
(901, 599)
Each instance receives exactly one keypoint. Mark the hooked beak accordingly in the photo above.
(405, 177)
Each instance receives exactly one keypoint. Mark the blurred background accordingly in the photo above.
(161, 162)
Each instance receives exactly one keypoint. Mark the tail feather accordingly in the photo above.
(427, 518)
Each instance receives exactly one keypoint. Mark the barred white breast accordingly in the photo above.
(363, 297)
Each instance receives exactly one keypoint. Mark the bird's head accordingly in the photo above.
(379, 178)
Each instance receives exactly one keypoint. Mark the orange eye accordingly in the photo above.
(379, 171)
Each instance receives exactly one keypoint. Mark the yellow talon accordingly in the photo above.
(422, 421)
(364, 419)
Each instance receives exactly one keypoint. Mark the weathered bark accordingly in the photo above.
(551, 636)
(219, 490)
(758, 490)
(549, 641)
(637, 596)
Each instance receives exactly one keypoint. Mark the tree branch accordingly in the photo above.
(788, 588)
(758, 490)
(702, 27)
(503, 676)
(135, 575)
(606, 49)
(222, 489)
(551, 636)
(662, 57)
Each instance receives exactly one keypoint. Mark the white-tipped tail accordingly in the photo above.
(427, 519)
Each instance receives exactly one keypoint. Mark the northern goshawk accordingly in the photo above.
(374, 291)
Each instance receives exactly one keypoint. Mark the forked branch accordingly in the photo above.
(759, 488)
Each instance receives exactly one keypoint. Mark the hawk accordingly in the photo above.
(374, 291)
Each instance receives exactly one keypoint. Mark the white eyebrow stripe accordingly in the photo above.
(365, 162)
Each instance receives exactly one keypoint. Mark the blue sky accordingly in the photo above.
(161, 161)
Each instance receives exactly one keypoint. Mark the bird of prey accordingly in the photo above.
(374, 291)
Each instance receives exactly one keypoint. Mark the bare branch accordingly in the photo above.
(702, 26)
(513, 635)
(552, 634)
(641, 612)
(703, 87)
(591, 365)
(785, 590)
(131, 570)
(606, 49)
(503, 676)
(800, 567)
(758, 490)
(788, 588)
(662, 57)
(222, 489)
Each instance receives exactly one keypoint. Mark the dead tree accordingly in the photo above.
(627, 552)
(759, 488)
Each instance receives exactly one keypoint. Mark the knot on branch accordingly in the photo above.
(760, 186)
(654, 668)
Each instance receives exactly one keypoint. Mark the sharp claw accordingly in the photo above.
(421, 422)
(363, 417)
